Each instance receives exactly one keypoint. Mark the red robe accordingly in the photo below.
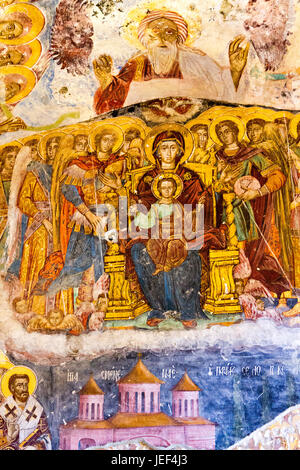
(137, 69)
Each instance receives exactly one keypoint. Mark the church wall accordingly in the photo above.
(159, 435)
(200, 437)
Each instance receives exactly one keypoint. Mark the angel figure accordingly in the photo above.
(55, 321)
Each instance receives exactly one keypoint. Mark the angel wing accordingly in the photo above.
(71, 322)
(38, 322)
(243, 269)
(71, 41)
(14, 214)
(42, 65)
(63, 156)
(267, 23)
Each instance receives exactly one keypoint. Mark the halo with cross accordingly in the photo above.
(166, 176)
(19, 370)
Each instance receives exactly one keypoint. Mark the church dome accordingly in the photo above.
(140, 374)
(186, 384)
(91, 388)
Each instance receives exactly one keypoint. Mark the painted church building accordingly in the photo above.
(139, 415)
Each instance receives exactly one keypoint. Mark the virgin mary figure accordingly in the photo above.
(177, 289)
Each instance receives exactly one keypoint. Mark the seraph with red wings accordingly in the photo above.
(268, 25)
(71, 40)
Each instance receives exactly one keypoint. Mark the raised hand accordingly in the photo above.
(102, 69)
(238, 56)
(113, 182)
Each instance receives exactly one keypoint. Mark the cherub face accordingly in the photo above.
(239, 286)
(96, 321)
(102, 304)
(21, 306)
(10, 29)
(260, 304)
(55, 318)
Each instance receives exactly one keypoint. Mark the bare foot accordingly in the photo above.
(154, 321)
(190, 324)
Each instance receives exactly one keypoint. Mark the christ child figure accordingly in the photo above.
(166, 245)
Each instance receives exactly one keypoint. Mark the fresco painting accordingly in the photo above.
(149, 225)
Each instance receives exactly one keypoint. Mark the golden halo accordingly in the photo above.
(167, 175)
(42, 148)
(31, 52)
(269, 113)
(226, 117)
(23, 72)
(283, 114)
(28, 138)
(293, 126)
(129, 30)
(110, 127)
(206, 122)
(36, 51)
(133, 125)
(5, 3)
(79, 130)
(214, 112)
(5, 362)
(18, 370)
(37, 22)
(121, 121)
(15, 143)
(69, 129)
(186, 134)
(198, 120)
(257, 115)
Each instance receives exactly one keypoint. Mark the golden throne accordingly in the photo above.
(126, 303)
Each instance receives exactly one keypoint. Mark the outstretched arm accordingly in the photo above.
(113, 89)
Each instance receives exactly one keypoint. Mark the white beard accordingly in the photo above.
(161, 59)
